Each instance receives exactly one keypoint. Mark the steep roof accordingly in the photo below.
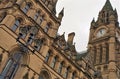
(107, 6)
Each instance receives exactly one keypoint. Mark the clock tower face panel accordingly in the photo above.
(104, 41)
(101, 32)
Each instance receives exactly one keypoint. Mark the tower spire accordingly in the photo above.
(106, 14)
(108, 6)
(93, 23)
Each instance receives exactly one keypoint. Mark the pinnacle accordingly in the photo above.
(93, 20)
(62, 12)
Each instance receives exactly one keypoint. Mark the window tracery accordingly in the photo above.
(16, 24)
(11, 66)
(26, 8)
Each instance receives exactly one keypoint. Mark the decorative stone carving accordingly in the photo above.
(34, 30)
(23, 30)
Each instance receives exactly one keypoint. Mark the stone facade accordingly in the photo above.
(30, 47)
(104, 42)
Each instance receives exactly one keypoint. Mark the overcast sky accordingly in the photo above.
(78, 16)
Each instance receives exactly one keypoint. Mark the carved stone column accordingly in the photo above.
(104, 53)
(57, 64)
(112, 59)
(98, 55)
(51, 59)
(44, 49)
(92, 54)
(70, 74)
(63, 70)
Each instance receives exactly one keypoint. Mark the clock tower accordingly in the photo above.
(104, 42)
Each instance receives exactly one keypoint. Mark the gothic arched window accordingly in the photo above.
(107, 17)
(60, 67)
(22, 32)
(47, 27)
(11, 67)
(44, 75)
(66, 72)
(30, 38)
(38, 43)
(107, 53)
(103, 14)
(31, 35)
(41, 19)
(26, 8)
(73, 75)
(47, 56)
(53, 62)
(16, 24)
(36, 15)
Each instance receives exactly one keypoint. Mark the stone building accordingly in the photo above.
(30, 47)
(104, 42)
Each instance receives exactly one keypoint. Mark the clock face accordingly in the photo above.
(101, 32)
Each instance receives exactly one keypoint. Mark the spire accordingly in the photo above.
(105, 14)
(60, 15)
(107, 6)
(62, 12)
(115, 11)
(93, 23)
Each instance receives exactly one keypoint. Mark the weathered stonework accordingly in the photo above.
(30, 47)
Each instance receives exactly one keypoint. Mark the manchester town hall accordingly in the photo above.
(31, 48)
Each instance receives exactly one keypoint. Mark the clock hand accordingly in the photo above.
(100, 31)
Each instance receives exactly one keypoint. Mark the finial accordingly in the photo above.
(61, 14)
(93, 23)
(116, 12)
(63, 33)
(74, 43)
(93, 20)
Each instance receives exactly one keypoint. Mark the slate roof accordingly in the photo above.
(80, 55)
